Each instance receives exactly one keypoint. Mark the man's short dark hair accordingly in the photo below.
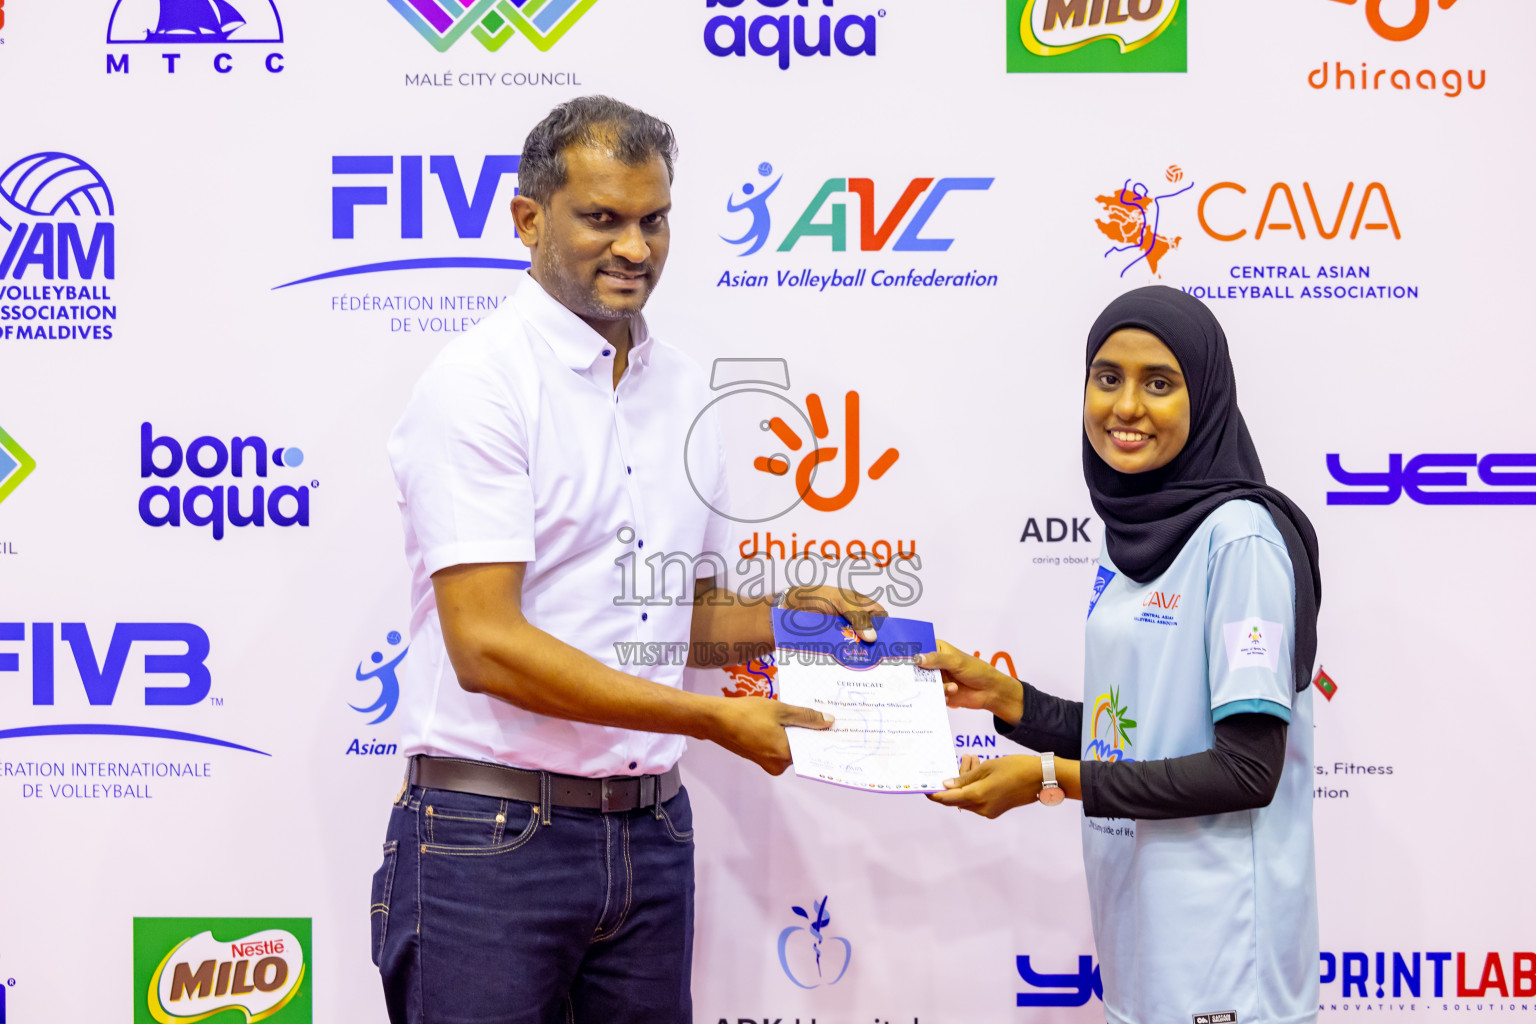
(632, 136)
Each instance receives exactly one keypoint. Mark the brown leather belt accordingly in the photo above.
(482, 778)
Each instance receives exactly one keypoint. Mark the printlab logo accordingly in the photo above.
(363, 181)
(809, 956)
(57, 211)
(1060, 989)
(176, 23)
(876, 229)
(220, 506)
(102, 680)
(492, 22)
(389, 683)
(1439, 479)
(1097, 35)
(15, 464)
(770, 33)
(1133, 222)
(795, 434)
(1110, 729)
(190, 969)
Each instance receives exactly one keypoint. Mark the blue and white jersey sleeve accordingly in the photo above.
(1250, 617)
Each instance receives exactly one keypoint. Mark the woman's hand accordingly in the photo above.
(991, 787)
(972, 683)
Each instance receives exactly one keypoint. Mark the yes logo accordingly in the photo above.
(1097, 35)
(811, 958)
(826, 218)
(1070, 989)
(1398, 33)
(190, 969)
(15, 465)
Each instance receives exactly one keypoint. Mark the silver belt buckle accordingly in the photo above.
(606, 794)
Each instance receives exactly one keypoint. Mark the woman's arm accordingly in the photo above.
(1240, 772)
(1024, 714)
(1046, 723)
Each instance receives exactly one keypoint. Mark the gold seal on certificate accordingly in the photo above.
(891, 733)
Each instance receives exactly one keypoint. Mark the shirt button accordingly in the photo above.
(607, 352)
(629, 469)
(640, 544)
(633, 765)
(644, 616)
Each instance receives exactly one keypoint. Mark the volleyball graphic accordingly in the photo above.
(56, 184)
(1175, 172)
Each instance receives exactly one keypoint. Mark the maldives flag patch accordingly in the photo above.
(1325, 684)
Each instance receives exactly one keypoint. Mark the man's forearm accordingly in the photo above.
(725, 621)
(533, 670)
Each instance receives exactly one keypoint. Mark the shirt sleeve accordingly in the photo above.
(719, 536)
(1049, 724)
(1250, 628)
(460, 456)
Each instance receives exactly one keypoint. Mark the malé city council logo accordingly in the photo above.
(1097, 35)
(444, 22)
(15, 466)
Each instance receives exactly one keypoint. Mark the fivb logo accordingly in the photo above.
(189, 969)
(492, 22)
(773, 34)
(177, 23)
(57, 210)
(1097, 35)
(468, 208)
(875, 230)
(218, 506)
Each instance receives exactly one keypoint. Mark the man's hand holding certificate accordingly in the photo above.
(891, 733)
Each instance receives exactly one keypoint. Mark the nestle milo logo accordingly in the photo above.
(189, 969)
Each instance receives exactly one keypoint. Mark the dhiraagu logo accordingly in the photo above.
(15, 465)
(1097, 35)
(191, 969)
(1110, 728)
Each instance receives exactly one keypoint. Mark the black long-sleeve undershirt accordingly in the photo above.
(1240, 772)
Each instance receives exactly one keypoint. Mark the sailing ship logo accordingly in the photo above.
(165, 22)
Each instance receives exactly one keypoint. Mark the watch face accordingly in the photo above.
(1051, 796)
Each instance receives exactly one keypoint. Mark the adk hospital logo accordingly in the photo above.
(492, 22)
(200, 34)
(58, 247)
(916, 211)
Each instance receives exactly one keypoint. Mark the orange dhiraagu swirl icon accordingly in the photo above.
(1398, 33)
(778, 465)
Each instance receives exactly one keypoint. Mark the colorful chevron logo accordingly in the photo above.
(444, 22)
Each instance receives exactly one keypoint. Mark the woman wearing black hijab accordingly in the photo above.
(1192, 748)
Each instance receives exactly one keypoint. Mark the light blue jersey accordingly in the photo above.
(1216, 915)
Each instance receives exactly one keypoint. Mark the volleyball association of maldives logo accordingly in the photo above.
(444, 22)
(1110, 728)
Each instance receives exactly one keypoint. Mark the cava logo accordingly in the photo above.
(189, 969)
(1097, 35)
(170, 25)
(492, 22)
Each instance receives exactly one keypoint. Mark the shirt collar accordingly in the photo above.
(573, 340)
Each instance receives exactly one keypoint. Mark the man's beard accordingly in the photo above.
(580, 297)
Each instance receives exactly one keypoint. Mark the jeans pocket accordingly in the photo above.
(677, 815)
(383, 886)
(466, 825)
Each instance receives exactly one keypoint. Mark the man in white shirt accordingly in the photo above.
(539, 862)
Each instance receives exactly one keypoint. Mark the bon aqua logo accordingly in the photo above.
(1098, 35)
(775, 29)
(492, 22)
(245, 501)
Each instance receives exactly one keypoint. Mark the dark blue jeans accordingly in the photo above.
(490, 911)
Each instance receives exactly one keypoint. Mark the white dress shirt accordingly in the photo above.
(516, 447)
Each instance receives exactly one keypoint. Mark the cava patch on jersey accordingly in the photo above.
(1254, 643)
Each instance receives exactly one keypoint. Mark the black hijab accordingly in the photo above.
(1148, 517)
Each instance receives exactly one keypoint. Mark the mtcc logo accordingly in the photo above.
(876, 228)
(1398, 33)
(809, 956)
(444, 22)
(15, 465)
(177, 23)
(765, 429)
(219, 506)
(389, 684)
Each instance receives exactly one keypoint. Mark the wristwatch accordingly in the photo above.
(1050, 792)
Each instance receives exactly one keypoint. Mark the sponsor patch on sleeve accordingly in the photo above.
(1254, 643)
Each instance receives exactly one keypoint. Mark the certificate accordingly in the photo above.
(891, 732)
